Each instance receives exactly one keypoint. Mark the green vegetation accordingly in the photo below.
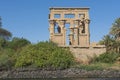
(112, 43)
(3, 32)
(90, 67)
(98, 66)
(112, 40)
(17, 43)
(115, 29)
(19, 52)
(9, 51)
(110, 57)
(44, 55)
(6, 58)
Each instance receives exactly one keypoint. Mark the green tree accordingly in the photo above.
(7, 60)
(115, 32)
(108, 41)
(115, 29)
(3, 43)
(4, 33)
(18, 43)
(112, 41)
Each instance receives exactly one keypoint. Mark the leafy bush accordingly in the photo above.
(107, 57)
(6, 58)
(3, 43)
(44, 55)
(18, 43)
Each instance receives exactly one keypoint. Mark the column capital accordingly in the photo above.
(87, 21)
(51, 21)
(62, 22)
(76, 23)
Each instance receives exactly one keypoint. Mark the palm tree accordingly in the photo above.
(115, 32)
(108, 42)
(3, 32)
(115, 29)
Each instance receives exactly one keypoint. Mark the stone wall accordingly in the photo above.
(87, 53)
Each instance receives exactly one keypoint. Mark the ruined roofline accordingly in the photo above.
(67, 8)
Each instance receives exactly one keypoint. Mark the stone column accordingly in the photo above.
(61, 23)
(63, 30)
(51, 28)
(71, 36)
(76, 31)
(87, 21)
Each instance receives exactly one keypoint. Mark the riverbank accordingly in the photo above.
(66, 73)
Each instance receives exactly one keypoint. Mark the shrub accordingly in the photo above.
(107, 57)
(3, 43)
(6, 58)
(18, 43)
(44, 55)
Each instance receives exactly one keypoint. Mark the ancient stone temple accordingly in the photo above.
(69, 26)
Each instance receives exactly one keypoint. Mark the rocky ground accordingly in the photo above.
(44, 73)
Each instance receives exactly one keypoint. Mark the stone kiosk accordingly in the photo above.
(78, 37)
(78, 18)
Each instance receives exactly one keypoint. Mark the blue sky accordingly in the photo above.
(29, 18)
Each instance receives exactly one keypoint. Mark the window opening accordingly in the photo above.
(69, 16)
(56, 15)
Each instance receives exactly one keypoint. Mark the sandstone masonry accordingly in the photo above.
(76, 36)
